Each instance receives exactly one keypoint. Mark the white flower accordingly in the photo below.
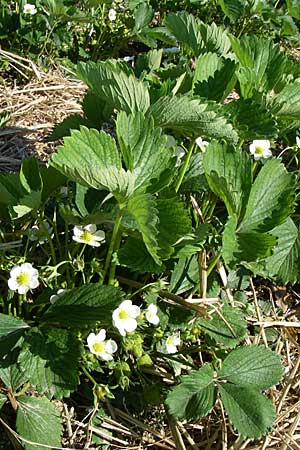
(55, 297)
(40, 232)
(112, 14)
(88, 235)
(298, 141)
(172, 342)
(151, 314)
(124, 317)
(100, 347)
(202, 144)
(128, 58)
(260, 149)
(23, 278)
(28, 8)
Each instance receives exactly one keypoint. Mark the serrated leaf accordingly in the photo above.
(135, 255)
(39, 422)
(3, 400)
(251, 413)
(10, 372)
(195, 396)
(186, 29)
(10, 325)
(227, 332)
(143, 16)
(285, 105)
(112, 84)
(30, 177)
(91, 158)
(284, 263)
(233, 9)
(143, 146)
(142, 207)
(185, 274)
(174, 223)
(50, 360)
(252, 366)
(269, 203)
(228, 172)
(193, 116)
(194, 178)
(84, 306)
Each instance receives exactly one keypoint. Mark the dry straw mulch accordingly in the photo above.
(36, 107)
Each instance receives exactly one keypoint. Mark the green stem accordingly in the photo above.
(89, 376)
(52, 249)
(112, 271)
(184, 167)
(112, 246)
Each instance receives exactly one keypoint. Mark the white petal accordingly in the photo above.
(126, 304)
(15, 271)
(120, 327)
(91, 339)
(26, 267)
(130, 325)
(90, 228)
(171, 348)
(105, 356)
(267, 153)
(101, 335)
(93, 243)
(13, 284)
(111, 346)
(115, 314)
(77, 230)
(34, 283)
(23, 289)
(134, 311)
(78, 239)
(99, 235)
(152, 308)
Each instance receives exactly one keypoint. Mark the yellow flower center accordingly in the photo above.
(259, 150)
(86, 236)
(99, 347)
(123, 315)
(23, 279)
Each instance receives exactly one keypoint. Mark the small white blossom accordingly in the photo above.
(151, 314)
(298, 141)
(100, 347)
(124, 317)
(172, 342)
(202, 144)
(55, 297)
(260, 149)
(88, 234)
(128, 58)
(112, 14)
(22, 278)
(40, 232)
(29, 9)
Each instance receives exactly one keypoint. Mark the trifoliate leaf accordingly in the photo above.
(252, 366)
(112, 84)
(269, 203)
(250, 412)
(84, 306)
(195, 396)
(39, 422)
(50, 360)
(228, 330)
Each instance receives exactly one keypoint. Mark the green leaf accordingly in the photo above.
(252, 366)
(227, 332)
(228, 172)
(174, 223)
(4, 118)
(39, 422)
(233, 9)
(84, 306)
(142, 207)
(10, 372)
(243, 247)
(251, 413)
(143, 146)
(194, 178)
(52, 180)
(286, 104)
(30, 177)
(11, 326)
(50, 360)
(143, 16)
(269, 203)
(284, 263)
(195, 396)
(214, 77)
(251, 119)
(112, 84)
(185, 274)
(262, 64)
(91, 158)
(3, 400)
(193, 116)
(135, 255)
